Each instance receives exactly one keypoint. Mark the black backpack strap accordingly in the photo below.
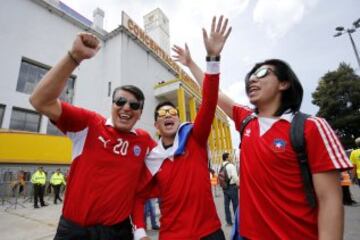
(298, 143)
(243, 125)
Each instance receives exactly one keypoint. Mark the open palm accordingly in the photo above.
(214, 42)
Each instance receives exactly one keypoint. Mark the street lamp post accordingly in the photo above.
(341, 30)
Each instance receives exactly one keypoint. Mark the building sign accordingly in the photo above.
(140, 34)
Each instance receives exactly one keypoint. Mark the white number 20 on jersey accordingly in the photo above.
(121, 148)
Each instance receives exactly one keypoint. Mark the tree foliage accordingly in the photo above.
(338, 97)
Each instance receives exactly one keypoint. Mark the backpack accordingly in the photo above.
(223, 177)
(298, 144)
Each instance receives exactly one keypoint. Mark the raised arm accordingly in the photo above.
(214, 44)
(184, 57)
(45, 98)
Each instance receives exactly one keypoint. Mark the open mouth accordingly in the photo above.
(169, 124)
(253, 90)
(124, 117)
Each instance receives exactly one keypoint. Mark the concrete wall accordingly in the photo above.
(32, 31)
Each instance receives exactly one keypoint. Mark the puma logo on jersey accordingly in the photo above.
(103, 141)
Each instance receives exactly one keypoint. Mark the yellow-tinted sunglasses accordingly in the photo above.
(171, 111)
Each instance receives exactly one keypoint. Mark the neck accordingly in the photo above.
(268, 109)
(166, 141)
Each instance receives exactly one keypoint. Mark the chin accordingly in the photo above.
(254, 100)
(169, 133)
(123, 128)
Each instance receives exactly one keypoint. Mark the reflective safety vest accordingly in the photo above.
(214, 180)
(57, 179)
(345, 179)
(38, 178)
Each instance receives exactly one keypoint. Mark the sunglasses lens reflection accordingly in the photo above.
(262, 72)
(171, 111)
(133, 104)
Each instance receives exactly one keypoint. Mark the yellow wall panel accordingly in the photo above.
(35, 148)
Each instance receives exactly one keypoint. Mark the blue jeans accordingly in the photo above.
(234, 235)
(230, 194)
(149, 210)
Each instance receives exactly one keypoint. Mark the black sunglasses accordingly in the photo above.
(121, 101)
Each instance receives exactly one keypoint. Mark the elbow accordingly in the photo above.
(37, 104)
(34, 102)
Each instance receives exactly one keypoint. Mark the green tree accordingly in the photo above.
(338, 96)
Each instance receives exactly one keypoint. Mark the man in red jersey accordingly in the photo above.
(178, 167)
(109, 150)
(272, 200)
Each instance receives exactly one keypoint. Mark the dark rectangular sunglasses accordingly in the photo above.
(121, 101)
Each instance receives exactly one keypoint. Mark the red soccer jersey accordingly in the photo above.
(106, 167)
(182, 184)
(272, 198)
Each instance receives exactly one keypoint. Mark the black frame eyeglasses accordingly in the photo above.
(134, 105)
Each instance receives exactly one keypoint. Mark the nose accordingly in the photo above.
(126, 107)
(253, 79)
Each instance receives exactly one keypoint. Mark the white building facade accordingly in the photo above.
(36, 34)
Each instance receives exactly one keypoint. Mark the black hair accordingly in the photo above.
(225, 156)
(138, 94)
(160, 105)
(291, 98)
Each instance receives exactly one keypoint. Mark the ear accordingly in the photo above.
(284, 85)
(156, 125)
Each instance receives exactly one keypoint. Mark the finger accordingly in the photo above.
(219, 23)
(90, 41)
(178, 51)
(213, 24)
(228, 33)
(98, 47)
(224, 27)
(187, 48)
(205, 36)
(175, 57)
(176, 47)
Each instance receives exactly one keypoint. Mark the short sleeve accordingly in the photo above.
(324, 150)
(239, 114)
(73, 119)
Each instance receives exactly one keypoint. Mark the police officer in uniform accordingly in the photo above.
(56, 180)
(38, 179)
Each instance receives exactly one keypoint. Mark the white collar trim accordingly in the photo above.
(266, 123)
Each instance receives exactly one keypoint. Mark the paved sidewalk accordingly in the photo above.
(27, 223)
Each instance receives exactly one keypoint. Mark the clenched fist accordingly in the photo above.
(85, 46)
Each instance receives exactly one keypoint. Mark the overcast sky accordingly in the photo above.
(297, 31)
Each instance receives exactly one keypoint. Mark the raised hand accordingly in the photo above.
(214, 42)
(183, 55)
(85, 46)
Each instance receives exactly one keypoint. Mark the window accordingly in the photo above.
(2, 112)
(30, 74)
(25, 120)
(52, 129)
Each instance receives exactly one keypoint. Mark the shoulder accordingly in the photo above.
(142, 132)
(317, 128)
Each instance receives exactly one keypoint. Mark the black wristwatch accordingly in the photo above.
(213, 58)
